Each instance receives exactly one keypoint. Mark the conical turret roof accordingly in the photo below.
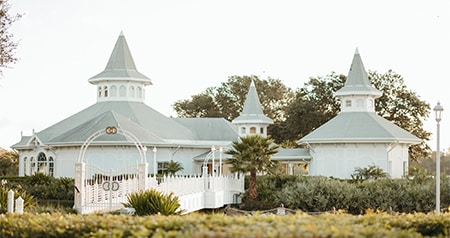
(121, 65)
(357, 82)
(252, 111)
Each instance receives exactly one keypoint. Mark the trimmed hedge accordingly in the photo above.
(320, 194)
(219, 225)
(45, 188)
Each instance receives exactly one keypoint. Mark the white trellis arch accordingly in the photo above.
(101, 188)
(112, 130)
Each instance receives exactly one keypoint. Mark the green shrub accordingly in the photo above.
(320, 194)
(45, 187)
(152, 202)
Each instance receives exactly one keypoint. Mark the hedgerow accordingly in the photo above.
(320, 194)
(372, 224)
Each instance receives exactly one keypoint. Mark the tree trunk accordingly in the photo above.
(252, 193)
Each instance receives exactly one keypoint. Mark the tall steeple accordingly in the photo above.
(120, 80)
(252, 119)
(358, 94)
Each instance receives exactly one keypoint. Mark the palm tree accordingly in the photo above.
(172, 167)
(251, 154)
(371, 172)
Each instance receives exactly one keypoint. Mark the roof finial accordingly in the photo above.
(121, 33)
(356, 51)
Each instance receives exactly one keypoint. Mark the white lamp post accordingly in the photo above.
(155, 171)
(438, 111)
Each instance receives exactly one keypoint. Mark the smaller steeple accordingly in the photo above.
(357, 80)
(252, 119)
(358, 94)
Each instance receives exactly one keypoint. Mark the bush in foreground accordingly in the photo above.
(151, 202)
(219, 225)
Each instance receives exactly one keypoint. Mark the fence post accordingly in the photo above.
(142, 176)
(19, 205)
(80, 190)
(205, 178)
(10, 201)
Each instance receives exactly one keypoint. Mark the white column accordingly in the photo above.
(155, 171)
(220, 161)
(291, 170)
(213, 151)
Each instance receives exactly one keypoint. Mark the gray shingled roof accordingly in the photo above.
(148, 124)
(252, 111)
(292, 154)
(357, 80)
(213, 129)
(362, 127)
(121, 65)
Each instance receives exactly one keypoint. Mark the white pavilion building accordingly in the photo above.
(357, 136)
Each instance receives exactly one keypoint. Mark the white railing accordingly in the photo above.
(98, 193)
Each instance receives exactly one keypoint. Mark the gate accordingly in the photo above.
(100, 189)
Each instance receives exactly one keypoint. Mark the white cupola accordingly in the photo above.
(252, 120)
(120, 81)
(358, 94)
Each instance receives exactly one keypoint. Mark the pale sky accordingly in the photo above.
(186, 46)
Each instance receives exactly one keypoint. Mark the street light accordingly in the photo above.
(438, 112)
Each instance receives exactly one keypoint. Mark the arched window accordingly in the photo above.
(139, 92)
(113, 91)
(42, 163)
(105, 89)
(132, 92)
(252, 130)
(99, 92)
(261, 130)
(32, 166)
(51, 166)
(242, 130)
(26, 166)
(122, 91)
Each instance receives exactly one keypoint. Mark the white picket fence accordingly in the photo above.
(100, 191)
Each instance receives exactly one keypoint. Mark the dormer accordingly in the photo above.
(252, 120)
(120, 81)
(358, 94)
